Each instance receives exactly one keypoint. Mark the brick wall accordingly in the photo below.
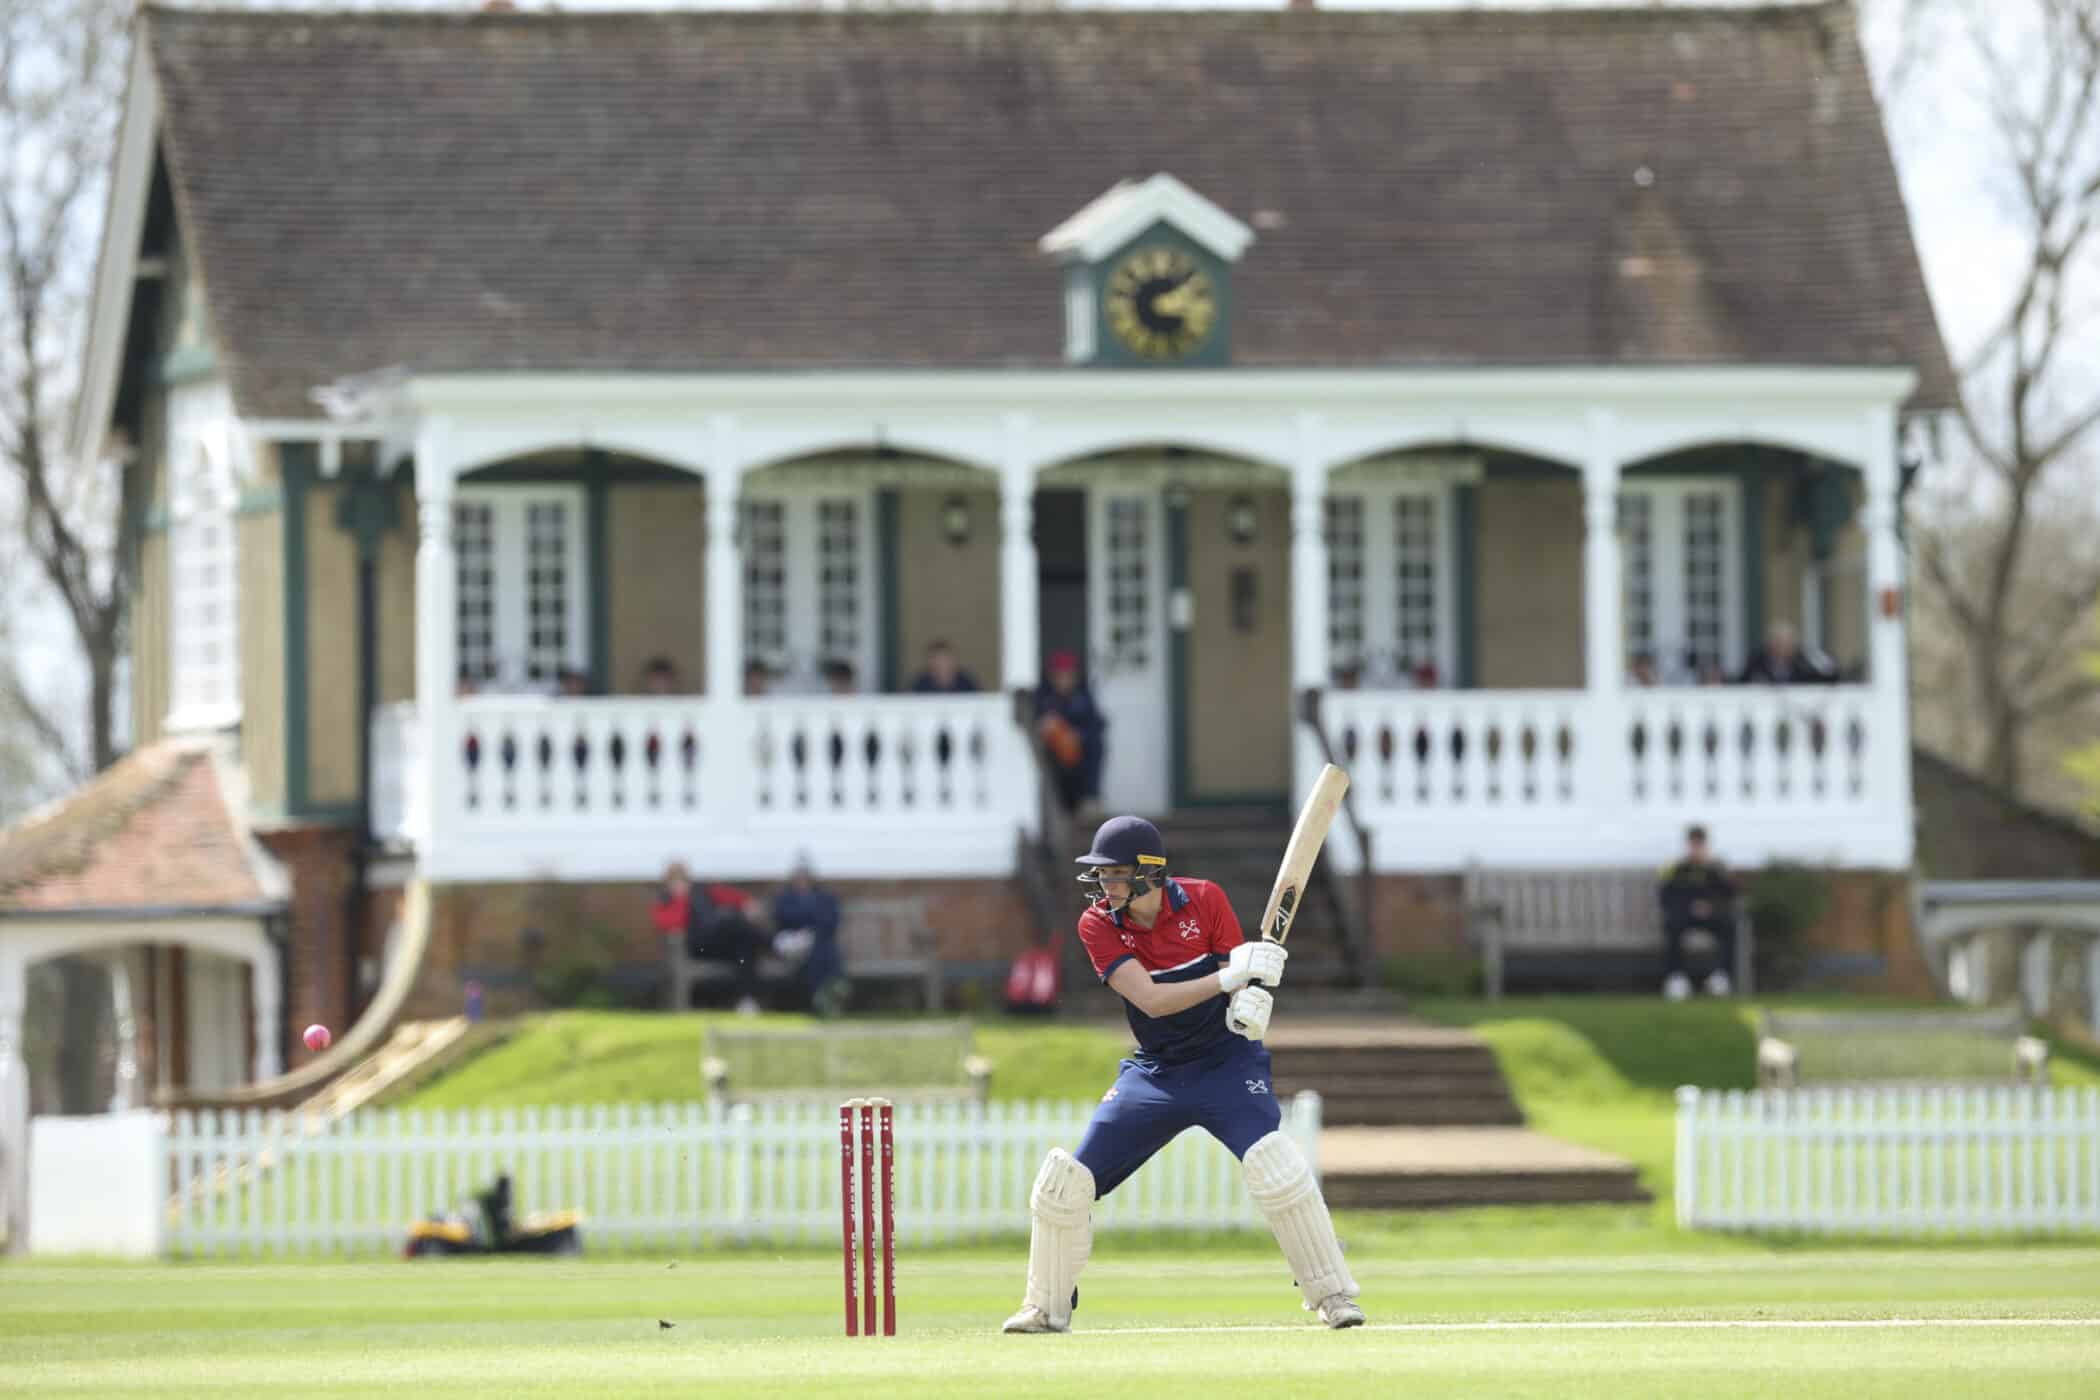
(1421, 919)
(317, 860)
(481, 930)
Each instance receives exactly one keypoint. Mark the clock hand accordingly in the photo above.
(1174, 302)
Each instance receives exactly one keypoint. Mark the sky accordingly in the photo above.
(1968, 242)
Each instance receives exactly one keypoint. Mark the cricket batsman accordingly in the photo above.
(1172, 948)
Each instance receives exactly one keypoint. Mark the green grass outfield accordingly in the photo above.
(1155, 1321)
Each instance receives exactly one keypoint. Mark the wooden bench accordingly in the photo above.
(882, 939)
(1897, 1047)
(906, 1062)
(1578, 923)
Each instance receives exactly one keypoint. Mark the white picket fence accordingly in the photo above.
(1886, 1159)
(659, 1176)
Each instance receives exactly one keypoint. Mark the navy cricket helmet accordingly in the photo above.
(1130, 841)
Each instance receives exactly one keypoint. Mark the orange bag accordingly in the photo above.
(1063, 741)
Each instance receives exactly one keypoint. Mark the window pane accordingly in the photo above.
(547, 586)
(1705, 558)
(1637, 546)
(765, 581)
(838, 580)
(1129, 600)
(204, 640)
(474, 555)
(1345, 579)
(1414, 581)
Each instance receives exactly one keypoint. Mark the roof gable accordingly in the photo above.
(159, 829)
(1127, 209)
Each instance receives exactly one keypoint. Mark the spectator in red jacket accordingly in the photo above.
(717, 925)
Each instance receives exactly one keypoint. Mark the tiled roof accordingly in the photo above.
(797, 190)
(156, 830)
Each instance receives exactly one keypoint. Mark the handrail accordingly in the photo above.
(1367, 889)
(1055, 828)
(1053, 834)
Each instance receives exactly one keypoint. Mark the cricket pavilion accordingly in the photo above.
(1375, 385)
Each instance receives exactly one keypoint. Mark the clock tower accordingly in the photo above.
(1148, 277)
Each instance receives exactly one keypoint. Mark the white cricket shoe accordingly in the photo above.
(1677, 988)
(1033, 1319)
(1339, 1310)
(1717, 984)
(747, 1007)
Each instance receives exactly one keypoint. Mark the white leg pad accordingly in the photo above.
(1062, 1233)
(1281, 1182)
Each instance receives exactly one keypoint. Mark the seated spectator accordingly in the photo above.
(1784, 661)
(715, 923)
(1073, 729)
(807, 917)
(571, 682)
(660, 677)
(839, 678)
(1698, 899)
(758, 677)
(943, 676)
(1643, 672)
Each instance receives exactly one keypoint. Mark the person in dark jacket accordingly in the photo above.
(716, 924)
(1074, 729)
(807, 917)
(943, 674)
(1784, 661)
(1698, 898)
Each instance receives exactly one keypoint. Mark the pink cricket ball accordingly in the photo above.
(317, 1037)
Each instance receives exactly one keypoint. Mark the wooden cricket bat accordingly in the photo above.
(1306, 839)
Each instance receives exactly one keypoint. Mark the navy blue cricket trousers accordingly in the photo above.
(1227, 1093)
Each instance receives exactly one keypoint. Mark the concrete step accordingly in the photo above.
(1367, 1168)
(1428, 1113)
(1350, 1089)
(1387, 1062)
(1428, 1190)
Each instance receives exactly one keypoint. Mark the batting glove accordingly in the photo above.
(1259, 961)
(1247, 1014)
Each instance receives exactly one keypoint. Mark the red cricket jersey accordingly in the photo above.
(1195, 931)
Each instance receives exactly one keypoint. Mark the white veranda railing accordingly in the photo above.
(659, 1175)
(1448, 778)
(1895, 1158)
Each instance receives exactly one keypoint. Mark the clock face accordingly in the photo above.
(1161, 304)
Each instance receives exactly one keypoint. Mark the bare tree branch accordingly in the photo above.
(2064, 697)
(1932, 552)
(43, 727)
(2048, 636)
(61, 71)
(1995, 566)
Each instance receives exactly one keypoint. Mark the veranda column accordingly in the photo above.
(123, 1008)
(266, 1005)
(1601, 764)
(437, 660)
(725, 575)
(1309, 659)
(730, 749)
(1310, 662)
(14, 1102)
(1888, 666)
(1018, 582)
